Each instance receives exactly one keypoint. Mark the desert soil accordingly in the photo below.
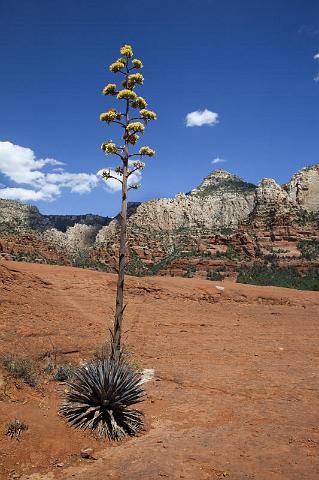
(235, 393)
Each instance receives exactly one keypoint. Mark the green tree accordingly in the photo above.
(132, 119)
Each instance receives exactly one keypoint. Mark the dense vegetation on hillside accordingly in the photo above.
(279, 277)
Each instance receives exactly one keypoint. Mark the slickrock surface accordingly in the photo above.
(235, 393)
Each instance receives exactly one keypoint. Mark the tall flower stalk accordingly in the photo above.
(132, 119)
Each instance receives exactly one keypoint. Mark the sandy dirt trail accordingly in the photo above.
(235, 393)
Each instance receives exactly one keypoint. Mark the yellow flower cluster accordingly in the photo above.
(139, 102)
(110, 89)
(122, 60)
(138, 164)
(106, 174)
(137, 126)
(119, 170)
(116, 66)
(135, 78)
(127, 94)
(137, 63)
(110, 116)
(127, 51)
(132, 138)
(109, 147)
(148, 114)
(147, 151)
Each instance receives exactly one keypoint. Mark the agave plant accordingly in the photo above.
(98, 398)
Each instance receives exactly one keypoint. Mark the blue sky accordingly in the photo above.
(251, 62)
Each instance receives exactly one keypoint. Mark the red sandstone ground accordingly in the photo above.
(235, 392)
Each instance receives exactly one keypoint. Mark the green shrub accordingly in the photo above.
(309, 249)
(64, 373)
(165, 262)
(214, 276)
(30, 257)
(136, 267)
(281, 250)
(258, 251)
(82, 260)
(231, 253)
(35, 257)
(54, 261)
(190, 271)
(272, 258)
(20, 367)
(15, 427)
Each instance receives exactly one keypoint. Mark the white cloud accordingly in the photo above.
(218, 160)
(76, 182)
(112, 185)
(23, 194)
(20, 165)
(316, 57)
(201, 117)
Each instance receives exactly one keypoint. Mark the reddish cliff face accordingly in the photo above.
(30, 247)
(223, 224)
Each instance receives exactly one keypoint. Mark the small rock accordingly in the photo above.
(147, 375)
(87, 453)
(60, 465)
(219, 288)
